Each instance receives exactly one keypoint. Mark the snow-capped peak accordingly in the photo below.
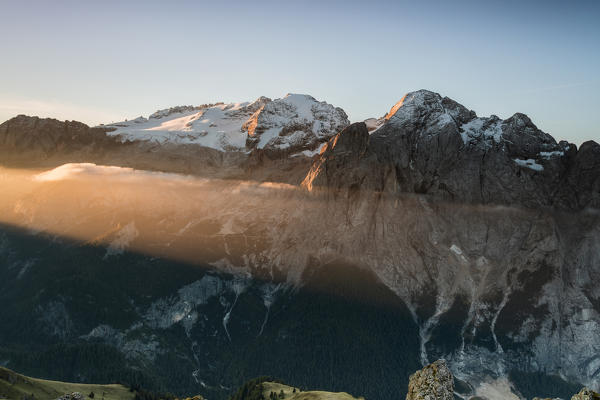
(295, 123)
(412, 99)
(415, 106)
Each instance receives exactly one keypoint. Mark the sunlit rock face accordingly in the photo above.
(340, 165)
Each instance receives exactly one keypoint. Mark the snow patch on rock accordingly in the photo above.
(551, 154)
(529, 163)
(488, 129)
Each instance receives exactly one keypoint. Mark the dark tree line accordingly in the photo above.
(253, 389)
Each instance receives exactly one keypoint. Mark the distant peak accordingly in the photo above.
(419, 97)
(423, 92)
(299, 95)
(520, 119)
(258, 104)
(261, 99)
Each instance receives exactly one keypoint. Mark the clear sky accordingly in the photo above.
(106, 61)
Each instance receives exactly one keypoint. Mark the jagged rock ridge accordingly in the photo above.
(48, 136)
(429, 144)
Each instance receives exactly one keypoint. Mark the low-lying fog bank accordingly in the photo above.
(511, 287)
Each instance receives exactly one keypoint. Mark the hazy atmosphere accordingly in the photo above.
(309, 200)
(105, 62)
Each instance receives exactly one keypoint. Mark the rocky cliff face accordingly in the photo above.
(432, 145)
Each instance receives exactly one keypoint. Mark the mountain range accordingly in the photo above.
(205, 245)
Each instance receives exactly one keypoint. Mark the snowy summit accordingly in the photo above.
(295, 123)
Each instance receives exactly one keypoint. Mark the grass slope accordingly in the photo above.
(289, 394)
(14, 386)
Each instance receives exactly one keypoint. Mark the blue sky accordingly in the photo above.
(107, 61)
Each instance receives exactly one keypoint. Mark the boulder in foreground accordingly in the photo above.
(433, 382)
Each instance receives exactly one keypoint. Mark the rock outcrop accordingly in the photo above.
(436, 382)
(586, 394)
(72, 396)
(433, 382)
